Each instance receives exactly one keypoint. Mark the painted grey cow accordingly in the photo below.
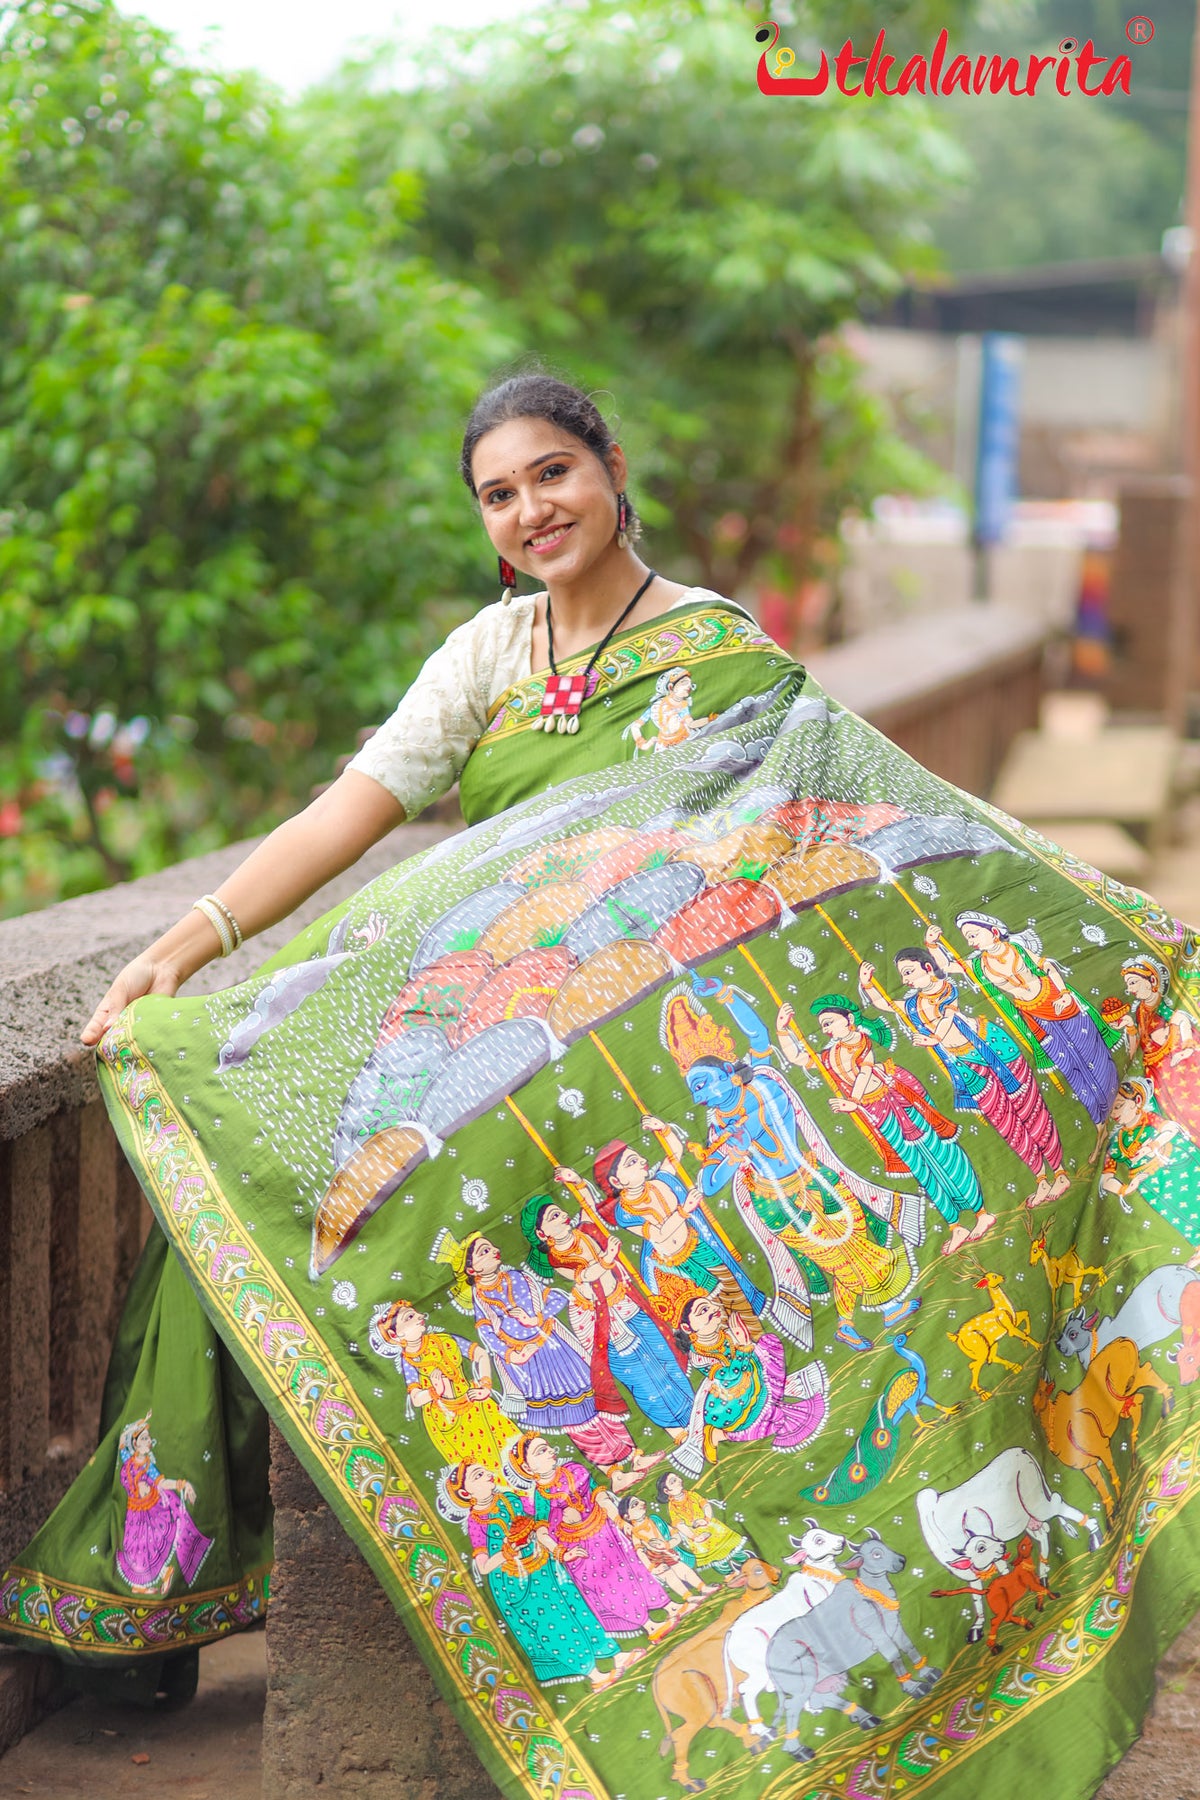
(809, 1659)
(814, 1558)
(1152, 1312)
(968, 1526)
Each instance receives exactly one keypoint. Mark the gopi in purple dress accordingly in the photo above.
(159, 1536)
(618, 1588)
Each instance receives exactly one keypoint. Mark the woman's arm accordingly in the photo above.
(279, 874)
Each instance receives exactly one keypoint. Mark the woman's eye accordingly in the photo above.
(553, 469)
(499, 494)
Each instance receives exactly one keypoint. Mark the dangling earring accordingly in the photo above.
(508, 578)
(622, 522)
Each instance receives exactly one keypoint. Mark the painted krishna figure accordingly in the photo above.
(672, 1132)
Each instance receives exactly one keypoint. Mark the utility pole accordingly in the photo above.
(1191, 350)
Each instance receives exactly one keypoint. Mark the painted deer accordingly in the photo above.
(979, 1337)
(1080, 1422)
(1067, 1270)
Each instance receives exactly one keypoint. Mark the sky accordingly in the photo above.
(296, 42)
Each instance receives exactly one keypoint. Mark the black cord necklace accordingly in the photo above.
(565, 693)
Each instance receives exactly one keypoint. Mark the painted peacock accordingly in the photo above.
(871, 1455)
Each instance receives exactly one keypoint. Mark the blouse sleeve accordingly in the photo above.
(419, 752)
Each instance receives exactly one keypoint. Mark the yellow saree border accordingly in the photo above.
(687, 636)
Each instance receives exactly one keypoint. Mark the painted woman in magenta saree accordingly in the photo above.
(626, 949)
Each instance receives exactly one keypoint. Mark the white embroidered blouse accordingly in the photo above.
(419, 751)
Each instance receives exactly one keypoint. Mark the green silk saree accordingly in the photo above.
(719, 1232)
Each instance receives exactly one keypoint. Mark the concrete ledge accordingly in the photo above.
(56, 965)
(918, 662)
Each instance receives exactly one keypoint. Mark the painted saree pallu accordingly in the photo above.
(722, 1232)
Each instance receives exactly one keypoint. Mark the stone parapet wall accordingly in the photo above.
(351, 1708)
(72, 1216)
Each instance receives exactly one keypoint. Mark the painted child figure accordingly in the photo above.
(619, 1590)
(714, 1544)
(658, 1547)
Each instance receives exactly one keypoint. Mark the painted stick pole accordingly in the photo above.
(980, 989)
(580, 1193)
(662, 1137)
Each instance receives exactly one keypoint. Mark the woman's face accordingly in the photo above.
(541, 1458)
(706, 1317)
(1126, 1110)
(483, 1258)
(637, 1509)
(674, 1486)
(630, 1170)
(554, 1224)
(915, 975)
(407, 1323)
(141, 1442)
(835, 1024)
(480, 1483)
(980, 937)
(1139, 986)
(548, 503)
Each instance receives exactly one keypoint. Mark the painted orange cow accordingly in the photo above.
(690, 1682)
(1080, 1423)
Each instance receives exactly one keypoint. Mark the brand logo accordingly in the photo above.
(936, 74)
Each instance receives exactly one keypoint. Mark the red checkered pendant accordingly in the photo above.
(561, 703)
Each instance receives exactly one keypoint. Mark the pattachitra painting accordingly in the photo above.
(721, 1234)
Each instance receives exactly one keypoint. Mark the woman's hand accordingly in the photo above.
(144, 975)
(287, 868)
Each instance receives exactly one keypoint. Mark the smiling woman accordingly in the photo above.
(635, 1193)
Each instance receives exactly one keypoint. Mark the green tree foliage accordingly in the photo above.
(237, 341)
(229, 394)
(645, 218)
(1057, 178)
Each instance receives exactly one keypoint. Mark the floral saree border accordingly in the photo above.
(75, 1617)
(1137, 911)
(344, 1450)
(692, 638)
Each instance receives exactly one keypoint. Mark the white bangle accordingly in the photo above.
(216, 919)
(232, 923)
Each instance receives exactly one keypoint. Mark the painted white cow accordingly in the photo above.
(968, 1527)
(814, 1559)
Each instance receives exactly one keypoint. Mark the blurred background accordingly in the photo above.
(911, 376)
